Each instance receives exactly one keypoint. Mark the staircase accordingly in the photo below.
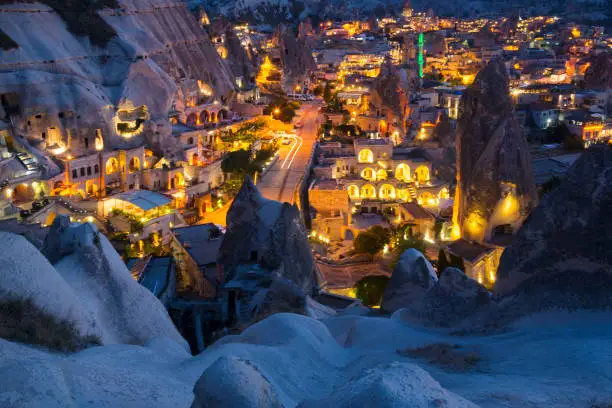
(27, 160)
(412, 191)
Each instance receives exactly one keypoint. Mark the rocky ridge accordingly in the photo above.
(495, 183)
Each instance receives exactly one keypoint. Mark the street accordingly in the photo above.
(283, 178)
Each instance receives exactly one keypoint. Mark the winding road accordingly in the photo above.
(282, 180)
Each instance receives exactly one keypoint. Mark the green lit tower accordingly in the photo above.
(420, 55)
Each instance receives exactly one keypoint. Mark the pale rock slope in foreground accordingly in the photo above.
(88, 285)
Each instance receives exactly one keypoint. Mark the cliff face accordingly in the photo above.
(561, 255)
(495, 186)
(387, 92)
(61, 86)
(81, 279)
(296, 59)
(241, 61)
(269, 233)
(599, 74)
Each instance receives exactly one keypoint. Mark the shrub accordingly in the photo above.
(370, 289)
(22, 321)
(368, 243)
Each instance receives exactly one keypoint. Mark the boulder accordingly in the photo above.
(452, 299)
(390, 385)
(231, 382)
(561, 256)
(412, 277)
(270, 234)
(495, 184)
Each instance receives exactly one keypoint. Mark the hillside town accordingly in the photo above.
(238, 170)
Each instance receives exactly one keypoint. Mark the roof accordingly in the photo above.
(417, 212)
(371, 142)
(156, 274)
(197, 242)
(468, 250)
(144, 199)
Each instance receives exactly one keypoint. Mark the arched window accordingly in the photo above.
(134, 164)
(422, 174)
(112, 166)
(387, 192)
(368, 191)
(443, 194)
(204, 117)
(366, 156)
(353, 191)
(381, 174)
(368, 174)
(402, 172)
(190, 141)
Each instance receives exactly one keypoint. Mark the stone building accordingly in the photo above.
(375, 178)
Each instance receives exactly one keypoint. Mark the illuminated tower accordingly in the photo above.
(420, 55)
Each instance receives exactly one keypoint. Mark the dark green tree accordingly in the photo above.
(368, 243)
(370, 289)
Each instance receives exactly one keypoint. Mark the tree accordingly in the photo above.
(238, 162)
(327, 92)
(370, 289)
(368, 243)
(442, 261)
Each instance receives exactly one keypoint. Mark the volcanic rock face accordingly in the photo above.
(453, 298)
(296, 59)
(561, 256)
(495, 184)
(599, 74)
(232, 382)
(240, 60)
(63, 88)
(412, 277)
(84, 282)
(387, 93)
(269, 233)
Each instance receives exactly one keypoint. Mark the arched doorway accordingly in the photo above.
(178, 180)
(223, 114)
(134, 164)
(204, 117)
(194, 159)
(112, 166)
(402, 172)
(353, 191)
(381, 174)
(422, 174)
(192, 119)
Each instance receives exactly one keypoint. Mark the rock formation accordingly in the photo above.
(452, 299)
(231, 382)
(495, 184)
(62, 89)
(388, 97)
(296, 59)
(561, 256)
(444, 133)
(87, 285)
(395, 384)
(599, 74)
(412, 277)
(268, 233)
(240, 60)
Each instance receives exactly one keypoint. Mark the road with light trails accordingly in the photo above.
(282, 179)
